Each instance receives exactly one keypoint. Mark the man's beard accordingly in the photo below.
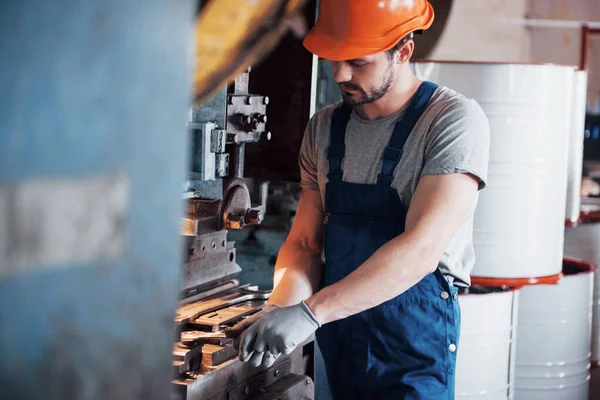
(361, 97)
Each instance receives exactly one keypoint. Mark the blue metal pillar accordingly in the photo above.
(93, 153)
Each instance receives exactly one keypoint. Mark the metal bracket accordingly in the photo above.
(260, 383)
(210, 160)
(222, 165)
(218, 140)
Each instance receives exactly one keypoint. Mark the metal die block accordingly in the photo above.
(186, 358)
(230, 314)
(213, 355)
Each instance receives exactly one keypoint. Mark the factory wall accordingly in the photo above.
(563, 44)
(556, 44)
(537, 31)
(476, 32)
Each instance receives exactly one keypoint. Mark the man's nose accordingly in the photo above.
(341, 71)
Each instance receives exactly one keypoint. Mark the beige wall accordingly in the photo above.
(478, 30)
(560, 45)
(475, 31)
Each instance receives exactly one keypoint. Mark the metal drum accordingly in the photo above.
(553, 351)
(485, 358)
(518, 233)
(583, 241)
(575, 155)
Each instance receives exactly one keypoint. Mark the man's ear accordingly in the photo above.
(406, 51)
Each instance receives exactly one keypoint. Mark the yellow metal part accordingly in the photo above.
(233, 34)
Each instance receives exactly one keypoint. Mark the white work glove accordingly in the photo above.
(277, 331)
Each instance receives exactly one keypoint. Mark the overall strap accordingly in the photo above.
(393, 151)
(337, 148)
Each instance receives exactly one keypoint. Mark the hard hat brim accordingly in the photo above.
(327, 47)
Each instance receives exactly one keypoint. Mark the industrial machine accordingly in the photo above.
(205, 363)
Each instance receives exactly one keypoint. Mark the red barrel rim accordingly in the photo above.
(585, 217)
(583, 266)
(516, 282)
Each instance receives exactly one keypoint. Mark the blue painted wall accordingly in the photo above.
(89, 89)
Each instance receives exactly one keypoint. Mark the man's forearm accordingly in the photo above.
(297, 274)
(394, 268)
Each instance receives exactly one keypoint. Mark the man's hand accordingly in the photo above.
(238, 329)
(277, 332)
(244, 324)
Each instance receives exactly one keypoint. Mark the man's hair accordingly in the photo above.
(391, 52)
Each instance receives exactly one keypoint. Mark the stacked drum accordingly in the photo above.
(553, 351)
(518, 233)
(484, 365)
(582, 240)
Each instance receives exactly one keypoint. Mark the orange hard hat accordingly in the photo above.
(348, 29)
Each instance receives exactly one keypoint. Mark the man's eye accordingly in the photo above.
(357, 63)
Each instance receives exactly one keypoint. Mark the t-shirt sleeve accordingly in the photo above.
(308, 158)
(459, 142)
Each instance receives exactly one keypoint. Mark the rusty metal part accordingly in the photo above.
(219, 337)
(202, 216)
(213, 355)
(203, 207)
(235, 222)
(230, 35)
(254, 216)
(187, 359)
(189, 312)
(223, 316)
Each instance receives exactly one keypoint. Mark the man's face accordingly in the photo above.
(364, 80)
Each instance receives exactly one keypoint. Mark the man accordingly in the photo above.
(390, 182)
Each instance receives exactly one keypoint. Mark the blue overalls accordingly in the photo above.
(404, 348)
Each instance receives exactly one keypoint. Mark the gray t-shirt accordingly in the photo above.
(452, 136)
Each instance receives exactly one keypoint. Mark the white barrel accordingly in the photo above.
(519, 221)
(583, 241)
(576, 136)
(486, 350)
(553, 351)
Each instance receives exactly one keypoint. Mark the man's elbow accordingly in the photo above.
(302, 246)
(427, 252)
